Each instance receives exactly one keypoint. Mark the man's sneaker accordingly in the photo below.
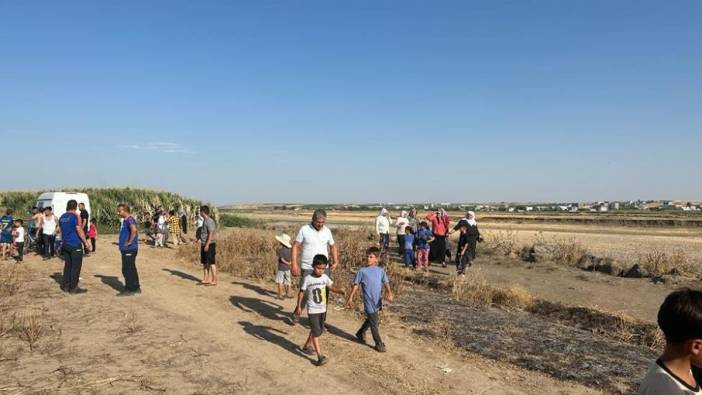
(380, 347)
(360, 338)
(322, 360)
(77, 290)
(307, 350)
(129, 292)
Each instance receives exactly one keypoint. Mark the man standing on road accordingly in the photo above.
(128, 247)
(84, 218)
(208, 250)
(73, 238)
(313, 238)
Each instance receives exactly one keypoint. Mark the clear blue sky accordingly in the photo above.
(357, 101)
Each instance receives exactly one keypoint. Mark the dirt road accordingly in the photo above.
(180, 337)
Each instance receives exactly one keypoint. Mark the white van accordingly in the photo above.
(58, 201)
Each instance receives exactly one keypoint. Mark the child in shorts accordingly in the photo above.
(677, 370)
(314, 288)
(372, 279)
(18, 236)
(283, 277)
(463, 254)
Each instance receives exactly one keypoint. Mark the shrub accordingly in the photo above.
(658, 263)
(475, 290)
(235, 221)
(501, 242)
(10, 280)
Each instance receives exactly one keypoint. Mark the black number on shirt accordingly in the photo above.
(317, 295)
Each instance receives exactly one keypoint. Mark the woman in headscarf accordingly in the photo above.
(472, 234)
(401, 225)
(382, 228)
(440, 222)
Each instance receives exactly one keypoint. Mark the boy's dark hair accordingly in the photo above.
(373, 251)
(172, 212)
(409, 230)
(48, 208)
(20, 221)
(8, 212)
(124, 207)
(72, 205)
(320, 259)
(424, 224)
(680, 316)
(205, 209)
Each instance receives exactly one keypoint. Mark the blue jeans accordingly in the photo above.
(409, 258)
(385, 240)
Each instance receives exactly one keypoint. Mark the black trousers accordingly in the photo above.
(93, 242)
(72, 263)
(20, 251)
(129, 270)
(48, 241)
(371, 322)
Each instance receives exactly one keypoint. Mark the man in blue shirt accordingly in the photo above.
(6, 233)
(372, 279)
(73, 239)
(128, 247)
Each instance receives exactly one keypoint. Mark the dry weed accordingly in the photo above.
(566, 251)
(659, 262)
(29, 328)
(131, 324)
(10, 280)
(501, 242)
(475, 289)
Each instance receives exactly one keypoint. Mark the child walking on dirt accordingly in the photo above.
(18, 236)
(372, 279)
(408, 248)
(424, 238)
(677, 371)
(283, 277)
(92, 233)
(314, 287)
(463, 254)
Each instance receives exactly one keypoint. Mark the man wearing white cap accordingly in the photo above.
(283, 278)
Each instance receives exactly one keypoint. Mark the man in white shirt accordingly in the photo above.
(312, 239)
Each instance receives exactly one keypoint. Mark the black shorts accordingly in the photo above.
(317, 324)
(208, 258)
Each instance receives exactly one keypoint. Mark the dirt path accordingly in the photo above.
(179, 337)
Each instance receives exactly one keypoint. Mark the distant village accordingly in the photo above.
(595, 207)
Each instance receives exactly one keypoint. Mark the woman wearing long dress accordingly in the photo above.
(440, 222)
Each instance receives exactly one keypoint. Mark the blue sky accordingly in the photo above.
(363, 101)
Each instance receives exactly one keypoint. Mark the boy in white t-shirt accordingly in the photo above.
(677, 371)
(314, 287)
(18, 238)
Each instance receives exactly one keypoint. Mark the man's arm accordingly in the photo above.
(335, 256)
(132, 234)
(209, 238)
(349, 300)
(295, 268)
(81, 235)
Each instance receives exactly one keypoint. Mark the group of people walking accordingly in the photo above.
(420, 241)
(314, 257)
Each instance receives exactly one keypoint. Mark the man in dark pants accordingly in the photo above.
(84, 218)
(73, 244)
(128, 247)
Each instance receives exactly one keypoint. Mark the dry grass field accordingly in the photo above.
(510, 326)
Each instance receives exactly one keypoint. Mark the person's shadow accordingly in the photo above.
(182, 275)
(269, 310)
(273, 336)
(112, 281)
(255, 288)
